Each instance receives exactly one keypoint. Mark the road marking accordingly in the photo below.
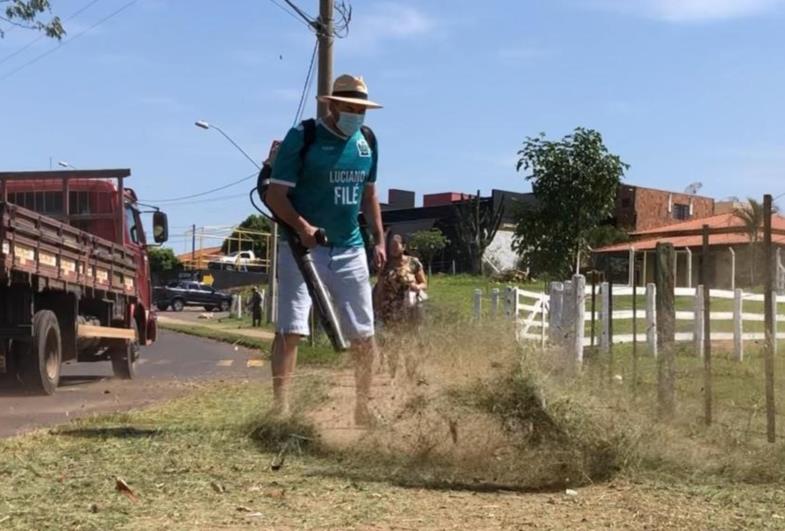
(255, 363)
(142, 361)
(162, 362)
(225, 363)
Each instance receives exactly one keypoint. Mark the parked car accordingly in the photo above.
(180, 294)
(237, 261)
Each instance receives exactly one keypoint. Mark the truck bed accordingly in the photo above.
(61, 255)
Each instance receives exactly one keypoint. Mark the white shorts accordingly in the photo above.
(344, 272)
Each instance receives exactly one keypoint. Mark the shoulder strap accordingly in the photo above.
(370, 137)
(309, 136)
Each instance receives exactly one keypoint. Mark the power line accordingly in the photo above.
(200, 194)
(72, 39)
(210, 200)
(293, 15)
(307, 85)
(309, 19)
(42, 36)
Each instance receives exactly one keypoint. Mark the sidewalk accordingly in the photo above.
(254, 333)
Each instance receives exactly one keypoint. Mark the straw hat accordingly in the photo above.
(350, 89)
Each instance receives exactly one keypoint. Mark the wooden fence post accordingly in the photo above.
(774, 321)
(768, 307)
(605, 343)
(698, 325)
(555, 315)
(651, 318)
(738, 325)
(706, 351)
(579, 285)
(478, 304)
(666, 330)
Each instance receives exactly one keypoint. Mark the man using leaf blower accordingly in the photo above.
(324, 172)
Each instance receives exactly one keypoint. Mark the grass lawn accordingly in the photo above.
(195, 463)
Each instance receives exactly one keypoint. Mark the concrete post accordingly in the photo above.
(605, 340)
(738, 326)
(555, 316)
(494, 302)
(579, 284)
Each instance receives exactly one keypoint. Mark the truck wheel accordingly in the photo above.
(209, 308)
(162, 307)
(41, 359)
(124, 355)
(225, 306)
(178, 305)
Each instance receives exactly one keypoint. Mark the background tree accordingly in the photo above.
(163, 259)
(751, 215)
(477, 223)
(239, 241)
(28, 14)
(574, 180)
(427, 244)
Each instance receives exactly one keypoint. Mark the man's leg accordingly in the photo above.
(348, 280)
(363, 353)
(294, 305)
(282, 363)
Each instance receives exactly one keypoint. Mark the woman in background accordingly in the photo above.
(400, 288)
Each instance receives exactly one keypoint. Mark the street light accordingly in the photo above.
(65, 164)
(273, 271)
(204, 125)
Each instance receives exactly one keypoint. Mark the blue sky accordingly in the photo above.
(682, 90)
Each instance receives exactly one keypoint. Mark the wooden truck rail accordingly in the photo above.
(60, 254)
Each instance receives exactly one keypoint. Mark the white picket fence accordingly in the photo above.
(564, 314)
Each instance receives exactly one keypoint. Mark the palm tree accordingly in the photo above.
(752, 215)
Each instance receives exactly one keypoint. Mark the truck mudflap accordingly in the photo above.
(152, 328)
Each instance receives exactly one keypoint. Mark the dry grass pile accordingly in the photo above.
(458, 408)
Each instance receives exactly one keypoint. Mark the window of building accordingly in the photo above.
(681, 211)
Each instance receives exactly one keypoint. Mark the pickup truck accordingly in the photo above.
(238, 261)
(74, 274)
(178, 295)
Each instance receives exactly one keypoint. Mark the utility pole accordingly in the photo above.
(325, 35)
(193, 245)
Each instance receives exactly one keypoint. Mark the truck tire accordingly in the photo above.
(124, 355)
(178, 305)
(162, 307)
(225, 306)
(209, 308)
(41, 359)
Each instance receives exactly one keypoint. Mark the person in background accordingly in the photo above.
(256, 307)
(400, 287)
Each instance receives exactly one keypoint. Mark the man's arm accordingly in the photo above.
(278, 200)
(373, 217)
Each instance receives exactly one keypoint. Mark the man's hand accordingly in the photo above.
(307, 235)
(379, 256)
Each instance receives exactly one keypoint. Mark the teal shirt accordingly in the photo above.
(327, 187)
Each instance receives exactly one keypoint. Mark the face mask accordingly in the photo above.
(349, 122)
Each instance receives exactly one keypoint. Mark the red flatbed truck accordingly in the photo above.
(74, 273)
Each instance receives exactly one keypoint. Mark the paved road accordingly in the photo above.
(167, 369)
